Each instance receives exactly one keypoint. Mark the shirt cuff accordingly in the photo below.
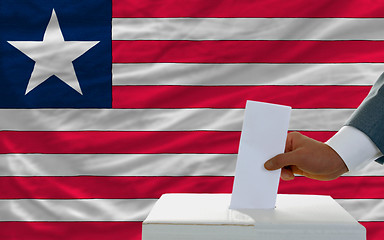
(354, 147)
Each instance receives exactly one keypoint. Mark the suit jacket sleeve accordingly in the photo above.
(369, 116)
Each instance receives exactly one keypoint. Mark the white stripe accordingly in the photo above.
(117, 164)
(132, 165)
(247, 29)
(371, 169)
(364, 209)
(245, 74)
(158, 119)
(319, 119)
(75, 210)
(134, 209)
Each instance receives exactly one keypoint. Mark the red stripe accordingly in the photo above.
(70, 230)
(86, 187)
(105, 230)
(341, 188)
(126, 142)
(236, 96)
(248, 51)
(375, 230)
(247, 8)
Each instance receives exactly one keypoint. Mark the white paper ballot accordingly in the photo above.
(263, 136)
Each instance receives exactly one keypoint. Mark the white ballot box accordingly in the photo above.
(208, 217)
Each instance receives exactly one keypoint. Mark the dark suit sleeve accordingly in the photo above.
(369, 116)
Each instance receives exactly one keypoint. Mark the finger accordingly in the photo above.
(287, 174)
(282, 160)
(289, 142)
(296, 170)
(291, 138)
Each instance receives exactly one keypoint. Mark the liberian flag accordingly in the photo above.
(105, 106)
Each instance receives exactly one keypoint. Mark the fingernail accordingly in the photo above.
(268, 165)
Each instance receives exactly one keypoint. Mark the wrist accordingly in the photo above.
(338, 165)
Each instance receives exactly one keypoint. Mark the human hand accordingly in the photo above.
(308, 157)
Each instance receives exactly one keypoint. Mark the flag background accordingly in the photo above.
(181, 72)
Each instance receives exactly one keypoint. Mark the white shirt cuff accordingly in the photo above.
(354, 147)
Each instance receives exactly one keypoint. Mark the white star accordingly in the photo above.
(53, 56)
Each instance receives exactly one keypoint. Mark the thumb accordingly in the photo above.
(281, 160)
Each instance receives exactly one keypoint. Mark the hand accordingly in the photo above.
(308, 157)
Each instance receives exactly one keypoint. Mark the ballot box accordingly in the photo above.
(208, 217)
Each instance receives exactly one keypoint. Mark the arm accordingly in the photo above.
(369, 117)
(317, 160)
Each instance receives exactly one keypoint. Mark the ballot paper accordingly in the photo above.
(263, 136)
